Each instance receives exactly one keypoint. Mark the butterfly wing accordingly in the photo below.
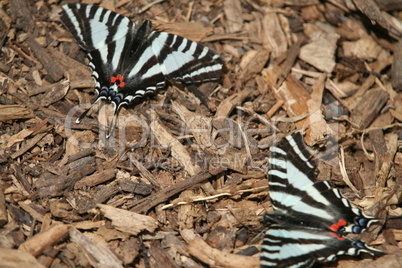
(128, 62)
(186, 61)
(141, 67)
(165, 57)
(286, 246)
(335, 211)
(310, 217)
(292, 189)
(94, 27)
(104, 34)
(290, 171)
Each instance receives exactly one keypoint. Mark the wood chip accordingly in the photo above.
(252, 63)
(3, 210)
(234, 16)
(22, 15)
(298, 102)
(96, 178)
(396, 75)
(15, 258)
(321, 52)
(372, 11)
(52, 67)
(198, 248)
(31, 143)
(382, 176)
(179, 152)
(56, 93)
(162, 258)
(39, 242)
(144, 172)
(230, 131)
(368, 108)
(274, 39)
(128, 221)
(199, 126)
(228, 104)
(364, 48)
(14, 112)
(97, 255)
(88, 225)
(151, 201)
(194, 31)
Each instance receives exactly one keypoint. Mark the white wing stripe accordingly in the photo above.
(118, 52)
(99, 33)
(158, 43)
(183, 44)
(154, 70)
(87, 10)
(148, 54)
(203, 53)
(192, 49)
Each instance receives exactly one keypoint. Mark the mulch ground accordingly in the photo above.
(182, 181)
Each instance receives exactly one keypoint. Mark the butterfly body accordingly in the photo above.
(310, 219)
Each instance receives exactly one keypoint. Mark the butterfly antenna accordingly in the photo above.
(111, 127)
(112, 122)
(79, 119)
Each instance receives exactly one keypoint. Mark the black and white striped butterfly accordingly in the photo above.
(309, 218)
(128, 61)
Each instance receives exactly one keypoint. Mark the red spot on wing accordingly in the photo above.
(335, 227)
(337, 236)
(118, 79)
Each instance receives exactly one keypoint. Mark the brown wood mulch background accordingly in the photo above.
(182, 182)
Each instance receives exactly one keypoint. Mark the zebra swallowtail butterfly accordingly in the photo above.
(128, 61)
(309, 218)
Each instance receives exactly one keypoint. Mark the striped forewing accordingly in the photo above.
(104, 35)
(288, 159)
(186, 61)
(291, 175)
(310, 217)
(94, 27)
